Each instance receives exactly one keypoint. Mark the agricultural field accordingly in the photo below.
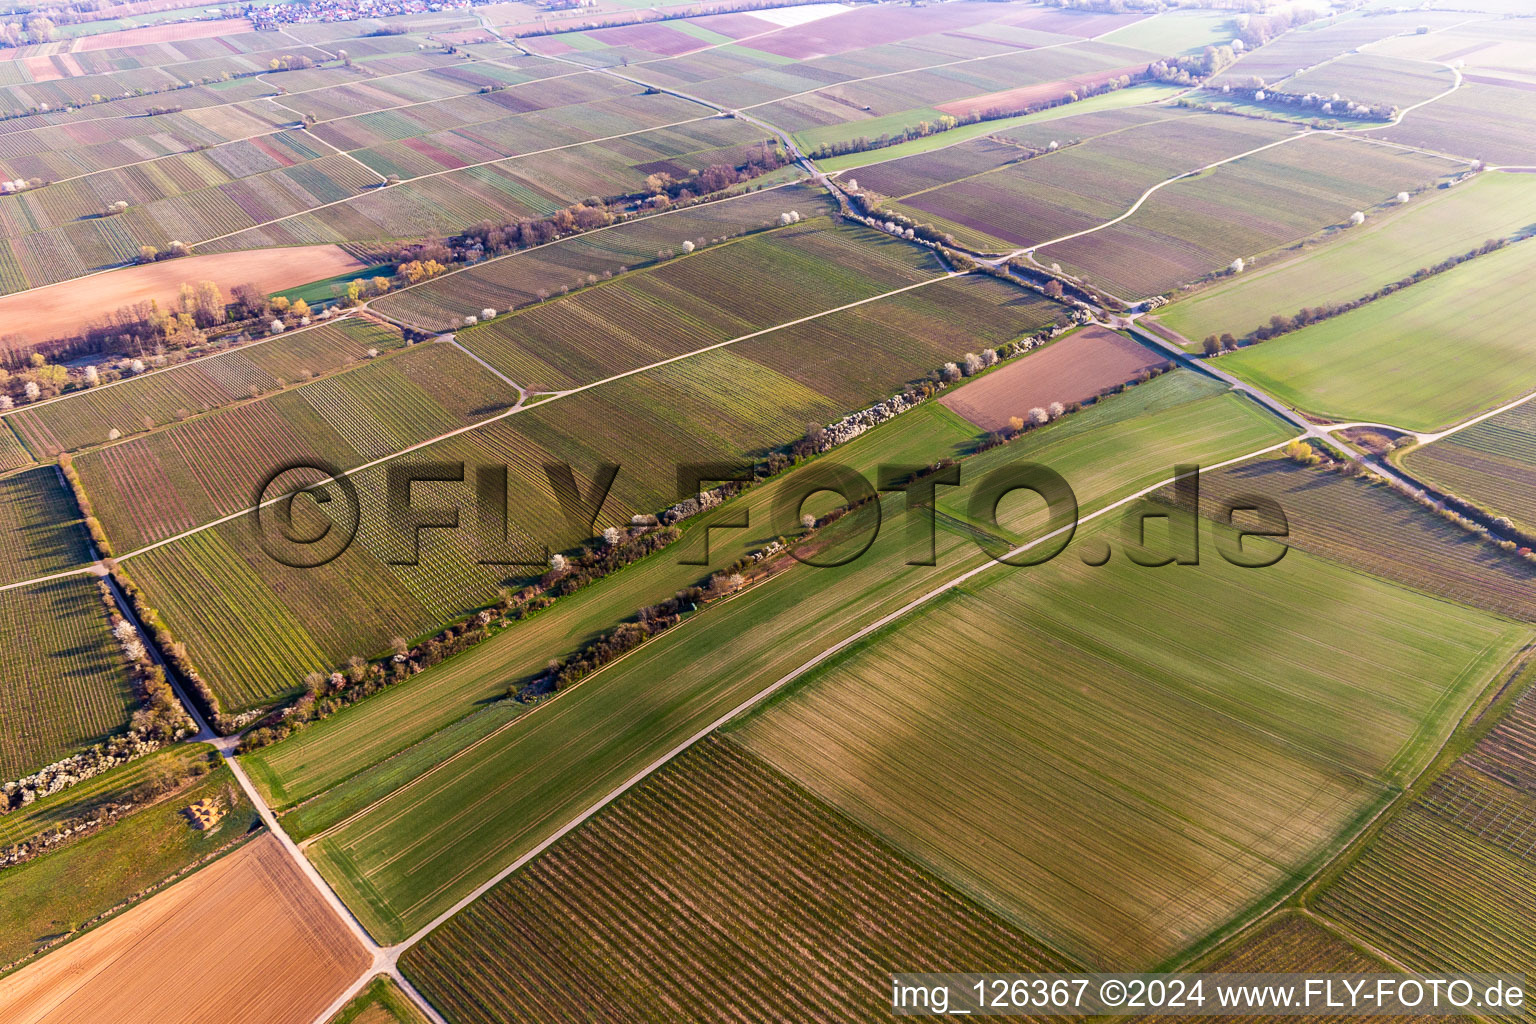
(40, 527)
(1445, 882)
(756, 873)
(1279, 196)
(1414, 359)
(1074, 369)
(1292, 942)
(1432, 227)
(281, 959)
(61, 893)
(1371, 79)
(1161, 836)
(1488, 464)
(676, 308)
(381, 1002)
(1328, 39)
(533, 275)
(1486, 119)
(411, 721)
(155, 485)
(236, 374)
(1033, 201)
(732, 403)
(518, 720)
(50, 312)
(66, 683)
(1375, 529)
(462, 826)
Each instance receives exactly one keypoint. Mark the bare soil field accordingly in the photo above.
(58, 310)
(1075, 368)
(246, 940)
(164, 34)
(1031, 95)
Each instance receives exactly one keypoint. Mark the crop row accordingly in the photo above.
(91, 417)
(717, 887)
(63, 681)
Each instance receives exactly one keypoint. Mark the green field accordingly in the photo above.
(1156, 775)
(1432, 227)
(40, 526)
(51, 896)
(1422, 358)
(1176, 32)
(755, 873)
(64, 683)
(382, 1002)
(410, 854)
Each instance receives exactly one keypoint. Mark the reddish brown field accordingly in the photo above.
(1075, 368)
(871, 26)
(1032, 95)
(59, 310)
(660, 39)
(246, 940)
(164, 34)
(42, 69)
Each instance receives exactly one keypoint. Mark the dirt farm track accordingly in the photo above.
(245, 940)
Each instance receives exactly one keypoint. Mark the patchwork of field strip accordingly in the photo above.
(409, 855)
(1447, 882)
(65, 682)
(1433, 227)
(700, 300)
(1483, 120)
(1371, 79)
(533, 274)
(1414, 359)
(1377, 530)
(1325, 40)
(1491, 464)
(1244, 209)
(1073, 369)
(945, 164)
(1292, 942)
(136, 404)
(756, 873)
(281, 959)
(726, 405)
(487, 184)
(49, 897)
(1167, 771)
(1033, 201)
(40, 529)
(150, 487)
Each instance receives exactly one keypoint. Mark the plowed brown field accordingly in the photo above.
(246, 940)
(1077, 367)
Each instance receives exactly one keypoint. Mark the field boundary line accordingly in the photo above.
(452, 339)
(553, 396)
(783, 681)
